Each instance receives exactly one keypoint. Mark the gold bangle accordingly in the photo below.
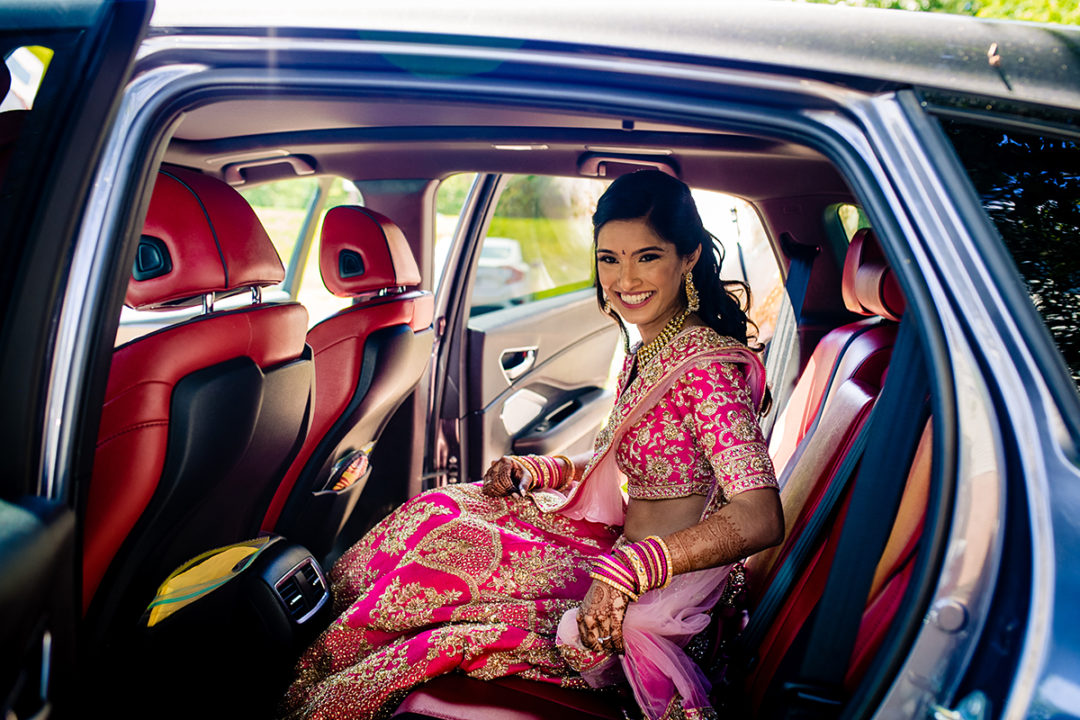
(611, 583)
(667, 558)
(639, 568)
(571, 468)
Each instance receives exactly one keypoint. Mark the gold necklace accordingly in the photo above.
(645, 353)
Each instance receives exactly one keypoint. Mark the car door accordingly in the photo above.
(51, 151)
(532, 371)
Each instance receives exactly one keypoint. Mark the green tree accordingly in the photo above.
(1049, 11)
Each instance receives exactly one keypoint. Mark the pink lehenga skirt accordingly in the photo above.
(452, 580)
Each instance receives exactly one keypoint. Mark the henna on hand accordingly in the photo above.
(600, 618)
(502, 478)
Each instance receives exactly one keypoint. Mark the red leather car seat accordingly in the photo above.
(833, 396)
(891, 578)
(368, 358)
(869, 288)
(200, 418)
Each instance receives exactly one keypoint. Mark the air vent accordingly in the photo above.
(312, 576)
(293, 597)
(303, 591)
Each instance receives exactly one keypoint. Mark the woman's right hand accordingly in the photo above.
(504, 477)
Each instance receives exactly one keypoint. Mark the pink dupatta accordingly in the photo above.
(660, 623)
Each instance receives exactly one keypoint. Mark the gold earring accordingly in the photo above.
(607, 305)
(693, 302)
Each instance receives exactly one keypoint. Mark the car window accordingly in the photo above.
(27, 67)
(1029, 185)
(449, 201)
(539, 241)
(748, 254)
(852, 219)
(283, 206)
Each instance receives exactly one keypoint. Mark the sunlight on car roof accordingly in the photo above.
(421, 14)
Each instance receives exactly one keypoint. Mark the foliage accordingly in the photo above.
(452, 193)
(294, 193)
(1049, 11)
(1030, 187)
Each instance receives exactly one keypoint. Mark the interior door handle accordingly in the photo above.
(516, 362)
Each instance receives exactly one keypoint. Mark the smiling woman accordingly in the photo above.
(478, 578)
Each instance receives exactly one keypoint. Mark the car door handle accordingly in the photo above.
(516, 362)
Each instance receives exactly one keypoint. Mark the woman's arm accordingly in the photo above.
(752, 521)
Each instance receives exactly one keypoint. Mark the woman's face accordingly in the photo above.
(641, 274)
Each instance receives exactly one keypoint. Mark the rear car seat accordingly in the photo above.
(829, 408)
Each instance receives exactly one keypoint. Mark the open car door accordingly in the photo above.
(69, 61)
(534, 374)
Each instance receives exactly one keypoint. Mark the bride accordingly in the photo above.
(582, 571)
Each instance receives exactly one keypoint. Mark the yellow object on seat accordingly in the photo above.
(201, 575)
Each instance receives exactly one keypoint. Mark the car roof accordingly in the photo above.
(858, 47)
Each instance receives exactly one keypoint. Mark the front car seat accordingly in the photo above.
(200, 418)
(368, 358)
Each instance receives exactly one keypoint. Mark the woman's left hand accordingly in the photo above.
(600, 618)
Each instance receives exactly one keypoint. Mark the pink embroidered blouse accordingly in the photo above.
(703, 431)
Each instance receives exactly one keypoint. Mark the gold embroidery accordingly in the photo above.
(404, 523)
(539, 570)
(410, 605)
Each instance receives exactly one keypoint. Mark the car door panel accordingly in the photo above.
(45, 184)
(538, 377)
(36, 584)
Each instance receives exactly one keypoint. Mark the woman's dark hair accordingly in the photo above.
(668, 208)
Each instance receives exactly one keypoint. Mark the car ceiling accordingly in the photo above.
(387, 138)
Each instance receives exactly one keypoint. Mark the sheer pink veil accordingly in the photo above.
(662, 621)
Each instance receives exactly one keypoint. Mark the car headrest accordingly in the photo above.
(869, 285)
(362, 251)
(200, 237)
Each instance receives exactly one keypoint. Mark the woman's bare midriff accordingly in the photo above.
(661, 517)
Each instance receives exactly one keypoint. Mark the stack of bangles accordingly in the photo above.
(546, 470)
(635, 568)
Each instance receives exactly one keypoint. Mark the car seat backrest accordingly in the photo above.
(858, 349)
(368, 358)
(201, 417)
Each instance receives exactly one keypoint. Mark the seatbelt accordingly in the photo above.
(745, 646)
(761, 619)
(785, 340)
(893, 434)
(800, 261)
